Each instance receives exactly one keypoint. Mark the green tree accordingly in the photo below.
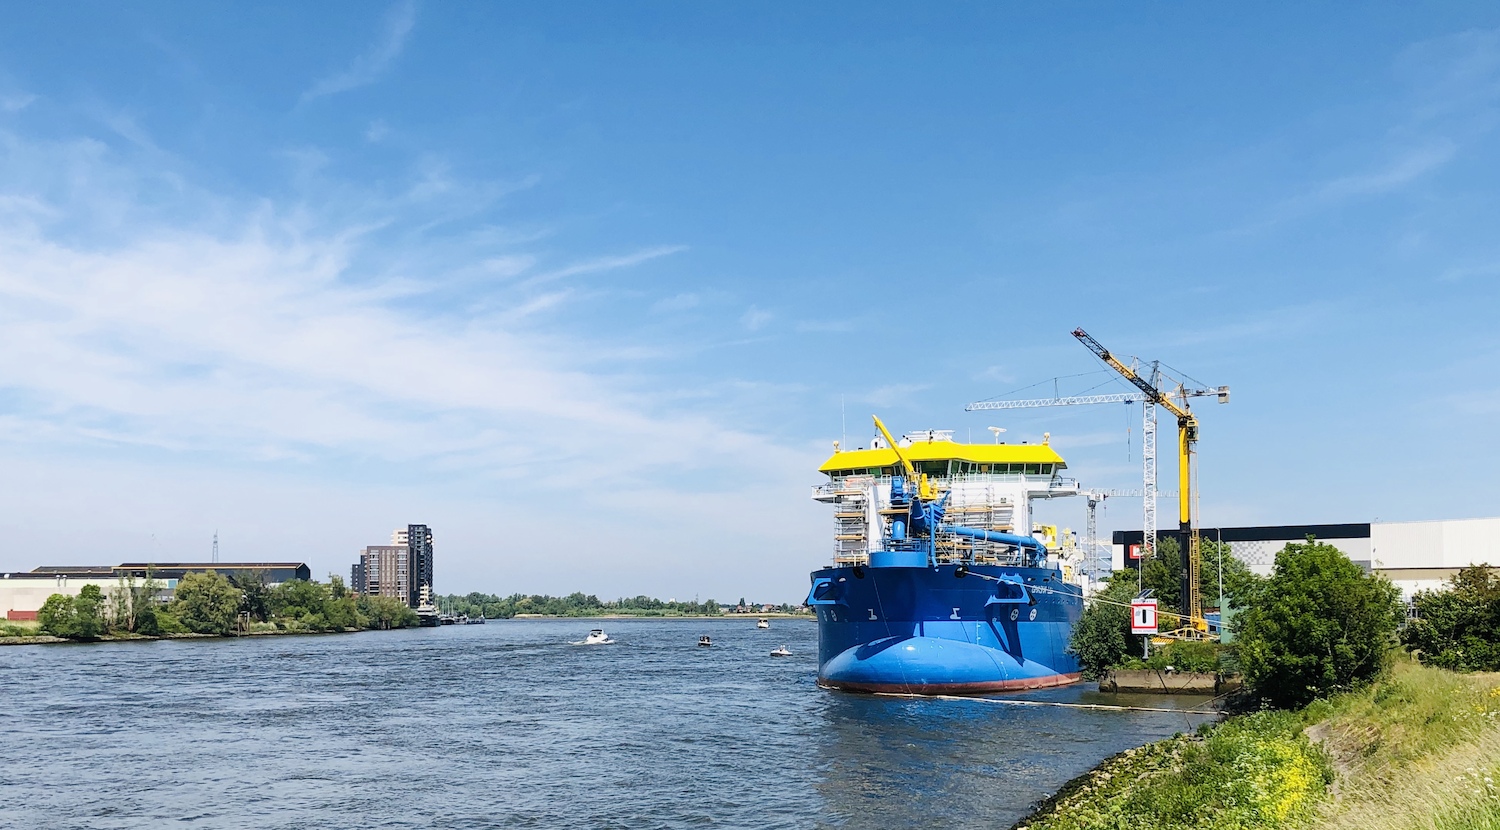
(88, 613)
(1318, 625)
(303, 601)
(1162, 573)
(56, 616)
(386, 612)
(77, 618)
(206, 603)
(255, 596)
(134, 605)
(1458, 628)
(1102, 637)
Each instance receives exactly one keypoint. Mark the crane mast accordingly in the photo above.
(1187, 439)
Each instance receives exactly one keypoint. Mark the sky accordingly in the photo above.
(591, 288)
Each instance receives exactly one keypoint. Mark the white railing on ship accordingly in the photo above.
(859, 483)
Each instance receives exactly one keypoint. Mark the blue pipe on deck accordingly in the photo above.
(995, 536)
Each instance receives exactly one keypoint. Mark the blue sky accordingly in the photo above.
(587, 287)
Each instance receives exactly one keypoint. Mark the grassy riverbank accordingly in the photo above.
(1419, 748)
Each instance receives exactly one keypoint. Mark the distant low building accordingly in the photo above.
(271, 573)
(1416, 556)
(22, 594)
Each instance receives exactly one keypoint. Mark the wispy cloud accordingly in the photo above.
(755, 318)
(1405, 168)
(825, 326)
(368, 67)
(16, 101)
(608, 263)
(267, 335)
(675, 303)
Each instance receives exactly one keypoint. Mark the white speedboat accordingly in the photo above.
(782, 652)
(762, 623)
(597, 637)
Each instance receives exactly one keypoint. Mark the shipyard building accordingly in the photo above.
(1415, 556)
(22, 594)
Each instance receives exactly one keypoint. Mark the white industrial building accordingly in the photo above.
(1416, 556)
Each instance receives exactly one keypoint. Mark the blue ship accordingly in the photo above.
(931, 590)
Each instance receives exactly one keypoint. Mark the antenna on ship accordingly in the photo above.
(997, 431)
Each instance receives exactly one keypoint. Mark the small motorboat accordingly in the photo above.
(597, 637)
(782, 652)
(762, 623)
(705, 641)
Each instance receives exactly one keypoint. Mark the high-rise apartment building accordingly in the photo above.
(386, 572)
(400, 570)
(418, 562)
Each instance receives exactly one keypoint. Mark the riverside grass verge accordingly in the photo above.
(1416, 750)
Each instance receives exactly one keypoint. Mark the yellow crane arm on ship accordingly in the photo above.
(924, 490)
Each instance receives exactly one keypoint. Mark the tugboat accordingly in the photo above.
(949, 599)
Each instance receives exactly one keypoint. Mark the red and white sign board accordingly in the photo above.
(1143, 616)
(1135, 551)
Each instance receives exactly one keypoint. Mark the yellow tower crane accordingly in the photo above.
(1195, 625)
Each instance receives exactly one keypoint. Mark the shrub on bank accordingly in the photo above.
(1182, 655)
(77, 618)
(1317, 626)
(1458, 628)
(1102, 640)
(206, 603)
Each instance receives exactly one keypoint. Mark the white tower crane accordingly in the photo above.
(1148, 494)
(1148, 454)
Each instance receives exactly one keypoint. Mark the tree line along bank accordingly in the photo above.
(209, 603)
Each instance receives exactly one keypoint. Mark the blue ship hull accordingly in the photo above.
(927, 630)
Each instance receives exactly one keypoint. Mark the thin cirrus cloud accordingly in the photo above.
(262, 340)
(16, 101)
(368, 67)
(607, 263)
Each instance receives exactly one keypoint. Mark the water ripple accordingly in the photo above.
(506, 725)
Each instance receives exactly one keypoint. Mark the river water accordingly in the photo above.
(508, 725)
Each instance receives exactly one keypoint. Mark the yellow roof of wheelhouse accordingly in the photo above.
(944, 451)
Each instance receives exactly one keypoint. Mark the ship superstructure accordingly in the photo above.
(940, 580)
(989, 487)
